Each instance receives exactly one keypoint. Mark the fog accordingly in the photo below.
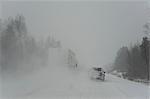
(57, 49)
(93, 30)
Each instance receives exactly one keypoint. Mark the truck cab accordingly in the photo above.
(97, 73)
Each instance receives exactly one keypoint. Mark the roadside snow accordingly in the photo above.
(57, 81)
(58, 84)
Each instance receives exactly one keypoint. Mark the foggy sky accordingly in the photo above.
(94, 30)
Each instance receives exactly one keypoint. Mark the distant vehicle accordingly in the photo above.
(97, 73)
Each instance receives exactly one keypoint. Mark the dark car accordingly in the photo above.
(97, 73)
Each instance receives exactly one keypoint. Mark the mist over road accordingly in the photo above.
(64, 84)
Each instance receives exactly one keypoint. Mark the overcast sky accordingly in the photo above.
(94, 30)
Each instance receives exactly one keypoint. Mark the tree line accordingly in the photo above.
(20, 51)
(134, 61)
(18, 48)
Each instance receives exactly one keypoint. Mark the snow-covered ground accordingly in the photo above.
(58, 81)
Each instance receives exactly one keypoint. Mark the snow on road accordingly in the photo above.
(47, 85)
(58, 81)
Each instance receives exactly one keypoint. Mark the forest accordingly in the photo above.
(134, 61)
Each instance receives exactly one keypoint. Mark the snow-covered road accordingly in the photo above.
(77, 85)
(112, 88)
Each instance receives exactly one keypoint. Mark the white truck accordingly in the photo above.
(97, 73)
